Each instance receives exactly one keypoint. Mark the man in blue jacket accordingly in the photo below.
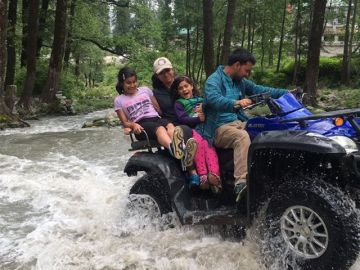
(225, 97)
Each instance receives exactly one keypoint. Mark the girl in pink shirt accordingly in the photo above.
(138, 110)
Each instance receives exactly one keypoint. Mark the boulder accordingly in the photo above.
(110, 120)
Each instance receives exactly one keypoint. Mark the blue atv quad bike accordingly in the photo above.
(304, 176)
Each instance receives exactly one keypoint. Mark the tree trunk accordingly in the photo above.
(271, 52)
(50, 89)
(188, 51)
(195, 53)
(281, 37)
(262, 55)
(3, 56)
(249, 30)
(77, 65)
(312, 70)
(11, 52)
(243, 32)
(33, 17)
(69, 40)
(345, 63)
(253, 33)
(297, 43)
(201, 66)
(3, 26)
(208, 46)
(218, 49)
(42, 23)
(10, 98)
(351, 37)
(228, 31)
(24, 16)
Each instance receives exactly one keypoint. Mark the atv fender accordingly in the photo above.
(276, 156)
(295, 140)
(168, 171)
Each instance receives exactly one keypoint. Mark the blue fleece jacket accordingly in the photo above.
(221, 93)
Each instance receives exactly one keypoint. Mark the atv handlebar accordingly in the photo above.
(298, 93)
(263, 98)
(256, 100)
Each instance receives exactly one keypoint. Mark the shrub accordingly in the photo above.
(271, 78)
(41, 76)
(329, 70)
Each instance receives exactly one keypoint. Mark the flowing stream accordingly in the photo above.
(63, 205)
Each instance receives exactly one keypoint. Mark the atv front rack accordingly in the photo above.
(348, 114)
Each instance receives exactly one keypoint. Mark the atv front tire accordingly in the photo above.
(149, 193)
(312, 225)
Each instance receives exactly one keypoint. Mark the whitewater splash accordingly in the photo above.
(64, 205)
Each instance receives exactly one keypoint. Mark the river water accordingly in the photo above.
(63, 205)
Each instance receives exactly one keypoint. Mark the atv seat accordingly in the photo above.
(143, 144)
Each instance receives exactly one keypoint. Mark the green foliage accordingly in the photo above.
(329, 73)
(5, 118)
(110, 75)
(289, 66)
(91, 104)
(329, 70)
(75, 88)
(87, 99)
(41, 76)
(148, 29)
(143, 64)
(271, 78)
(70, 86)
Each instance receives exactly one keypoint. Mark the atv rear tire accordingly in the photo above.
(149, 193)
(311, 224)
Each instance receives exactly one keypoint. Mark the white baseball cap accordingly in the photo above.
(160, 64)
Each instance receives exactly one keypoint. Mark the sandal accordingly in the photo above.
(215, 183)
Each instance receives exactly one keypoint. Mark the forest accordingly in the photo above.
(57, 54)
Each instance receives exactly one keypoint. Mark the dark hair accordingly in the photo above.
(242, 56)
(124, 73)
(175, 85)
(156, 83)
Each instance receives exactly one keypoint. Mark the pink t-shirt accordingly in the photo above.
(136, 107)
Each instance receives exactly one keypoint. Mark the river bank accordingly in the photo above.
(328, 100)
(63, 106)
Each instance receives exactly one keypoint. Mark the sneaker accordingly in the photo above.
(240, 189)
(177, 145)
(194, 181)
(190, 151)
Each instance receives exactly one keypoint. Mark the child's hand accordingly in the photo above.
(201, 116)
(127, 131)
(198, 108)
(137, 128)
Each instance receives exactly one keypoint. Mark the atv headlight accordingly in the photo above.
(348, 144)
